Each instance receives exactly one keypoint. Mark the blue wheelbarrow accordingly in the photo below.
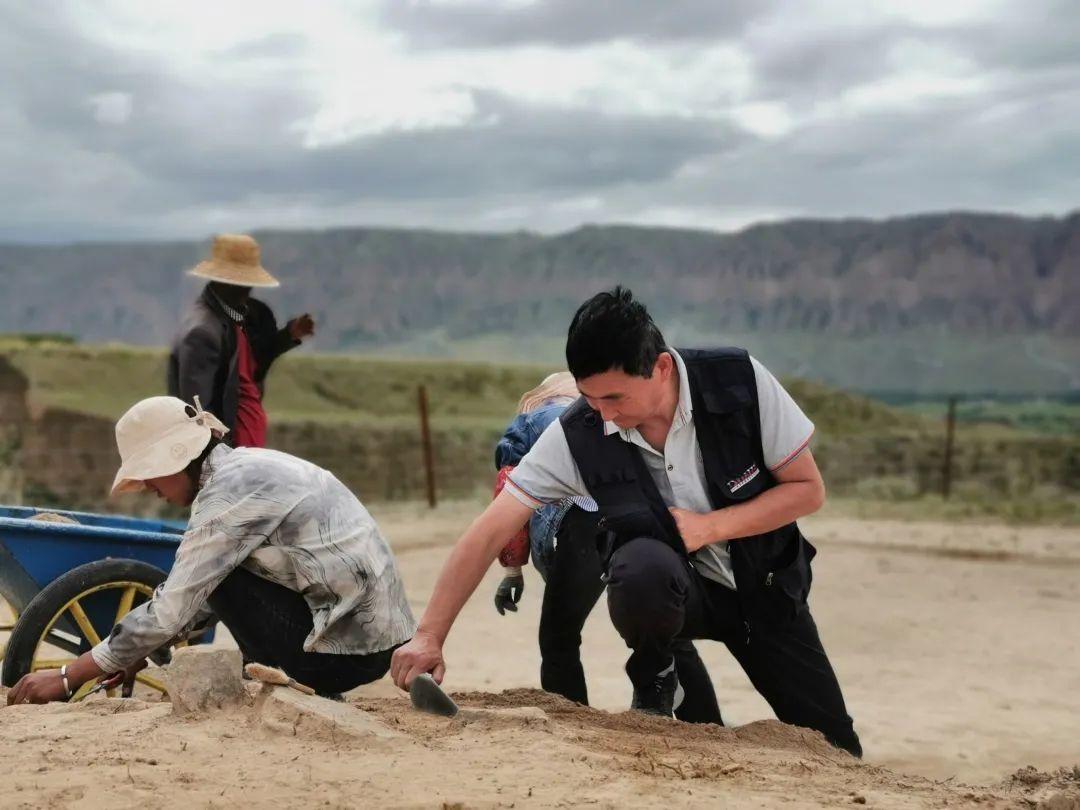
(69, 577)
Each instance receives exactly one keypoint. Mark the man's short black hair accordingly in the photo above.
(612, 331)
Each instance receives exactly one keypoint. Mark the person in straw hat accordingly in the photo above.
(562, 540)
(228, 340)
(285, 556)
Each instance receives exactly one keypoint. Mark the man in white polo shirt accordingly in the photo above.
(699, 463)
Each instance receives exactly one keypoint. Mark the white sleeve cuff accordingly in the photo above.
(794, 454)
(102, 656)
(524, 497)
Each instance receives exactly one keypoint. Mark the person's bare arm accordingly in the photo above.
(44, 686)
(472, 556)
(799, 492)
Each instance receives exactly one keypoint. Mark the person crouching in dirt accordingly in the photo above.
(285, 556)
(562, 540)
(699, 462)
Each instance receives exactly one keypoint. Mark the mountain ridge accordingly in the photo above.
(932, 280)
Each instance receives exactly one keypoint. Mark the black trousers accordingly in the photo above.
(270, 623)
(657, 600)
(573, 587)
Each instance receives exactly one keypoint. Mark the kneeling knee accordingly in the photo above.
(646, 586)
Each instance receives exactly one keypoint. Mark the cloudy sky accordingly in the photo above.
(127, 119)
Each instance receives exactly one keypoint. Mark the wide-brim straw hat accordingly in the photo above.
(160, 436)
(561, 384)
(236, 259)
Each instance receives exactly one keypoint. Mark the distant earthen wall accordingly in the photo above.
(62, 459)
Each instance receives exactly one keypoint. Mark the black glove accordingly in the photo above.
(509, 592)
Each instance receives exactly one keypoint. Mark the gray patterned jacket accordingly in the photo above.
(287, 521)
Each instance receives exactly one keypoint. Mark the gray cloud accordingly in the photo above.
(570, 22)
(221, 144)
(272, 46)
(201, 151)
(941, 155)
(517, 148)
(1031, 37)
(809, 70)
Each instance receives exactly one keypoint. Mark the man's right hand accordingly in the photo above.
(470, 558)
(301, 327)
(422, 654)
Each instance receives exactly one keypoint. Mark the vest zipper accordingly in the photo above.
(747, 625)
(768, 579)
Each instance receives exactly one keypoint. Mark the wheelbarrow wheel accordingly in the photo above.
(72, 613)
(8, 615)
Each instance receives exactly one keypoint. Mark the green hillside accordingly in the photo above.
(104, 380)
(358, 417)
(327, 389)
(939, 303)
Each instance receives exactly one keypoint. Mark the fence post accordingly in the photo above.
(950, 431)
(425, 438)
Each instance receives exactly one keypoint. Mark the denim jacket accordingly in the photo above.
(520, 436)
(522, 433)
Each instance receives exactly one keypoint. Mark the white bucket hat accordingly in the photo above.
(235, 258)
(160, 436)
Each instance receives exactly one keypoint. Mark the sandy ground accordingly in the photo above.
(955, 645)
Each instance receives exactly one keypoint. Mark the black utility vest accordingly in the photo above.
(772, 570)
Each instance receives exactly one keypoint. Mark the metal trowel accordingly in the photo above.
(428, 696)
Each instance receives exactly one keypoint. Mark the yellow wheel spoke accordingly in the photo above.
(128, 592)
(83, 621)
(125, 604)
(49, 663)
(153, 683)
(80, 693)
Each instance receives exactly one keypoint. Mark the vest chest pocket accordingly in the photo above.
(739, 472)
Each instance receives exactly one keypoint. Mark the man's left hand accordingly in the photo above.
(509, 592)
(301, 327)
(696, 530)
(38, 687)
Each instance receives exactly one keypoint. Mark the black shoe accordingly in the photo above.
(661, 697)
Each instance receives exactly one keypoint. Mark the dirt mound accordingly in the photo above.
(1057, 790)
(688, 736)
(520, 747)
(768, 760)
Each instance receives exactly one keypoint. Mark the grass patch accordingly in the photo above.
(358, 417)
